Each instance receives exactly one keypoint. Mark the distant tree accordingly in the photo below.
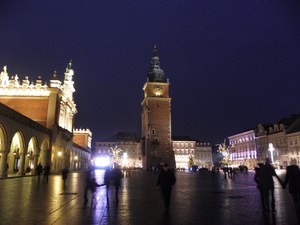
(115, 154)
(224, 150)
(191, 161)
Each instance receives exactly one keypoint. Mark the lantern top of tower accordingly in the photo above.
(156, 74)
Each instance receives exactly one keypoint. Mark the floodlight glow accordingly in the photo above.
(271, 149)
(102, 161)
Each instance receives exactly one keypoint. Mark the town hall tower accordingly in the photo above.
(156, 118)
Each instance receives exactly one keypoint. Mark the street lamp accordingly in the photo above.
(125, 159)
(271, 149)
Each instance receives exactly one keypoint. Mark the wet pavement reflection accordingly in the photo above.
(196, 199)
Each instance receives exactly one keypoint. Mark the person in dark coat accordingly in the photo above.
(87, 184)
(39, 170)
(116, 176)
(93, 187)
(264, 178)
(292, 178)
(166, 179)
(257, 179)
(64, 174)
(46, 173)
(107, 180)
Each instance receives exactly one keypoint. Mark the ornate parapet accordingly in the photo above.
(14, 87)
(82, 131)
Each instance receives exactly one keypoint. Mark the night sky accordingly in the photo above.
(231, 64)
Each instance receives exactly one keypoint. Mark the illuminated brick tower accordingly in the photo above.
(156, 118)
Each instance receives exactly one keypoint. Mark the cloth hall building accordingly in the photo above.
(36, 125)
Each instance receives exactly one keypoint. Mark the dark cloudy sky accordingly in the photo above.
(231, 64)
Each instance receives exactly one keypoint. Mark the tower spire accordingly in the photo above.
(156, 74)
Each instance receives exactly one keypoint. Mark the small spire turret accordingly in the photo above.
(55, 75)
(69, 72)
(156, 74)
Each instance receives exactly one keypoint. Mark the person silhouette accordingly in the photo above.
(116, 176)
(39, 170)
(64, 174)
(46, 173)
(166, 179)
(292, 178)
(107, 180)
(264, 178)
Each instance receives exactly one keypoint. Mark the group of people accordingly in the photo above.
(112, 177)
(264, 174)
(39, 170)
(264, 178)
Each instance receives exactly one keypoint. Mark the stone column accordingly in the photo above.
(3, 164)
(22, 164)
(35, 161)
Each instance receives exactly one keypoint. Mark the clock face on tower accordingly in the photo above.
(157, 90)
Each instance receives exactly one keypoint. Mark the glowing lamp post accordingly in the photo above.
(125, 159)
(271, 149)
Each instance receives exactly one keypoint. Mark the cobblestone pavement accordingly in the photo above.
(200, 199)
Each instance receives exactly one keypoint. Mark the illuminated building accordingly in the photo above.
(46, 112)
(283, 138)
(128, 146)
(279, 142)
(244, 149)
(156, 118)
(80, 157)
(185, 148)
(203, 155)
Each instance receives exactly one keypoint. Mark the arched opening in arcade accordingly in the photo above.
(3, 151)
(15, 158)
(31, 155)
(44, 156)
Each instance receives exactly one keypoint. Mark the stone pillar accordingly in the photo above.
(22, 164)
(3, 164)
(35, 162)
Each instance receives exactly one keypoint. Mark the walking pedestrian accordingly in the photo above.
(257, 179)
(88, 178)
(46, 173)
(116, 176)
(166, 179)
(264, 178)
(93, 186)
(107, 180)
(39, 170)
(64, 174)
(292, 178)
(90, 185)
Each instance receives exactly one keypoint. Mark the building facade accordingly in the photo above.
(203, 155)
(81, 155)
(185, 151)
(156, 118)
(244, 149)
(127, 145)
(50, 107)
(191, 151)
(278, 141)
